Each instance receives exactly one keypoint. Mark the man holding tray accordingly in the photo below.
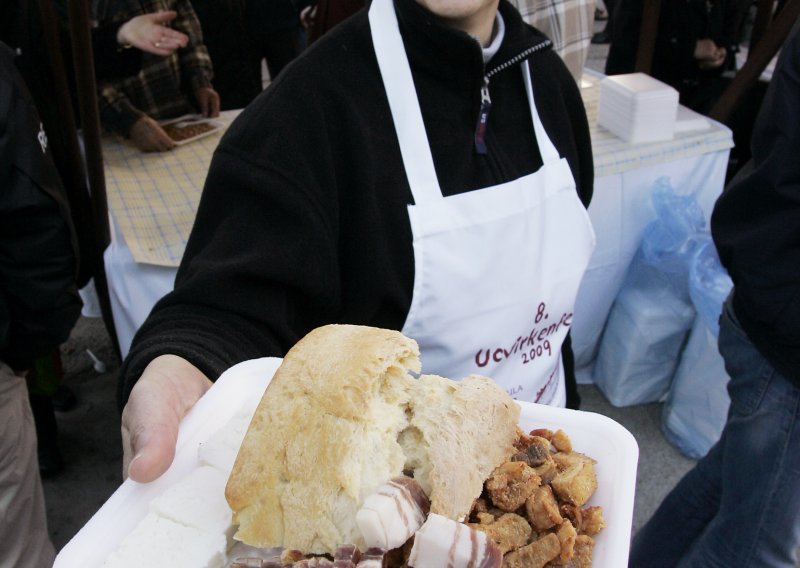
(425, 166)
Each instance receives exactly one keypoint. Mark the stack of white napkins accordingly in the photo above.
(637, 108)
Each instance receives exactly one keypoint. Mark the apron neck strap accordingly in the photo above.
(546, 147)
(399, 86)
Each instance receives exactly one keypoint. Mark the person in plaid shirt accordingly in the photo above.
(568, 23)
(166, 87)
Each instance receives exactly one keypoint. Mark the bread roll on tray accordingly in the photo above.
(343, 415)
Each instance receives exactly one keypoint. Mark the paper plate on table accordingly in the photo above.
(239, 391)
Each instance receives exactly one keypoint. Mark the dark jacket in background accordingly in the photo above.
(756, 222)
(239, 34)
(39, 303)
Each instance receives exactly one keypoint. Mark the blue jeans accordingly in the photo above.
(739, 507)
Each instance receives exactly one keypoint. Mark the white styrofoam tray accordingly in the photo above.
(598, 436)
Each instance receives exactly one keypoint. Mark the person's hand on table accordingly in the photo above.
(167, 389)
(149, 33)
(207, 101)
(148, 136)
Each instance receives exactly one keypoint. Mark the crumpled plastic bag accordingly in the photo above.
(670, 241)
(696, 408)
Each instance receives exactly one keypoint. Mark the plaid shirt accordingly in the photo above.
(165, 85)
(569, 23)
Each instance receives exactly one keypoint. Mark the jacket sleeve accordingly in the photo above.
(236, 298)
(117, 113)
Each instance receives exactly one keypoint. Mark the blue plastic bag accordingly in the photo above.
(696, 409)
(651, 317)
(670, 241)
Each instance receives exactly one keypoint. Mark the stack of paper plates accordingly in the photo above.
(637, 108)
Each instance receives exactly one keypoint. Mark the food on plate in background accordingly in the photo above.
(184, 130)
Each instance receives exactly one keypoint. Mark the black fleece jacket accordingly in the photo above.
(303, 219)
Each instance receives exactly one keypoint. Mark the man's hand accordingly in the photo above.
(149, 33)
(148, 136)
(708, 54)
(207, 101)
(167, 389)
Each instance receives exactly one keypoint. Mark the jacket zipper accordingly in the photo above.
(486, 100)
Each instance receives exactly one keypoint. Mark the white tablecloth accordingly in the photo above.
(620, 210)
(133, 287)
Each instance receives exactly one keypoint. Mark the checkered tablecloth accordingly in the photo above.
(153, 197)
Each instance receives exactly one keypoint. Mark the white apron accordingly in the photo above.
(497, 270)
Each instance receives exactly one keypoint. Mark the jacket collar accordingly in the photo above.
(438, 49)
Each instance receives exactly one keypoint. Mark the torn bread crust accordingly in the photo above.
(341, 417)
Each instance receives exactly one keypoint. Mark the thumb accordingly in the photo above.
(152, 449)
(162, 396)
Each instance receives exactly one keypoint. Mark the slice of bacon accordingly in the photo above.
(389, 517)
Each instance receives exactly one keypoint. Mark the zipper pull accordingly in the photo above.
(483, 118)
